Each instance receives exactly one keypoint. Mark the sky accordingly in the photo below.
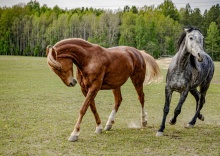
(114, 4)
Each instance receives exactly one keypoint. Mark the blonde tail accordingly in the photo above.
(153, 70)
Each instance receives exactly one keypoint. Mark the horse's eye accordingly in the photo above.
(191, 38)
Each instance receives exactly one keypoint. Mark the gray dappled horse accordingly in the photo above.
(190, 68)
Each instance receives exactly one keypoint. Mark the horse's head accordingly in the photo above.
(63, 67)
(194, 43)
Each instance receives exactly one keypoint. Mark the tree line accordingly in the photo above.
(26, 29)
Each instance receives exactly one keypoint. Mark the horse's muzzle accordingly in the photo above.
(72, 83)
(200, 57)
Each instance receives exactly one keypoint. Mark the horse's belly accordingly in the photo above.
(116, 78)
(113, 83)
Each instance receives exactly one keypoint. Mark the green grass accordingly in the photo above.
(38, 113)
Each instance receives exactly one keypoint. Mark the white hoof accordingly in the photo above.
(159, 134)
(73, 138)
(108, 127)
(189, 126)
(98, 129)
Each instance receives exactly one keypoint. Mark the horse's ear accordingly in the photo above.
(52, 58)
(48, 49)
(186, 29)
(53, 53)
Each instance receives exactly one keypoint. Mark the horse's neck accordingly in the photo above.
(182, 59)
(78, 55)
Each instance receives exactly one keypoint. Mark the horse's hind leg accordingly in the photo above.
(139, 89)
(118, 99)
(203, 91)
(138, 80)
(196, 95)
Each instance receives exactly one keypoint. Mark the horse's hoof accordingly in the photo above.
(159, 134)
(189, 126)
(73, 138)
(108, 127)
(171, 122)
(202, 117)
(98, 130)
(144, 124)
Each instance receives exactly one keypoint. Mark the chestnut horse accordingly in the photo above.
(101, 68)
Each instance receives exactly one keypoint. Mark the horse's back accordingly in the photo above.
(127, 55)
(124, 62)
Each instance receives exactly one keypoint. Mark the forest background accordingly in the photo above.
(27, 29)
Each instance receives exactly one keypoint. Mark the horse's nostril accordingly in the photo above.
(74, 81)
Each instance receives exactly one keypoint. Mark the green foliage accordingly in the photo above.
(168, 9)
(213, 40)
(28, 29)
(127, 29)
(141, 32)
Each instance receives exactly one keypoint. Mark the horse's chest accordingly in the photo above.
(178, 82)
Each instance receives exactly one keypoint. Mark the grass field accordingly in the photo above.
(38, 113)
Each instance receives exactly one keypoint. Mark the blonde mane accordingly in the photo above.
(50, 59)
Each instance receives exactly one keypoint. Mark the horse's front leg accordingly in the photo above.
(118, 99)
(95, 113)
(97, 118)
(168, 96)
(89, 99)
(177, 111)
